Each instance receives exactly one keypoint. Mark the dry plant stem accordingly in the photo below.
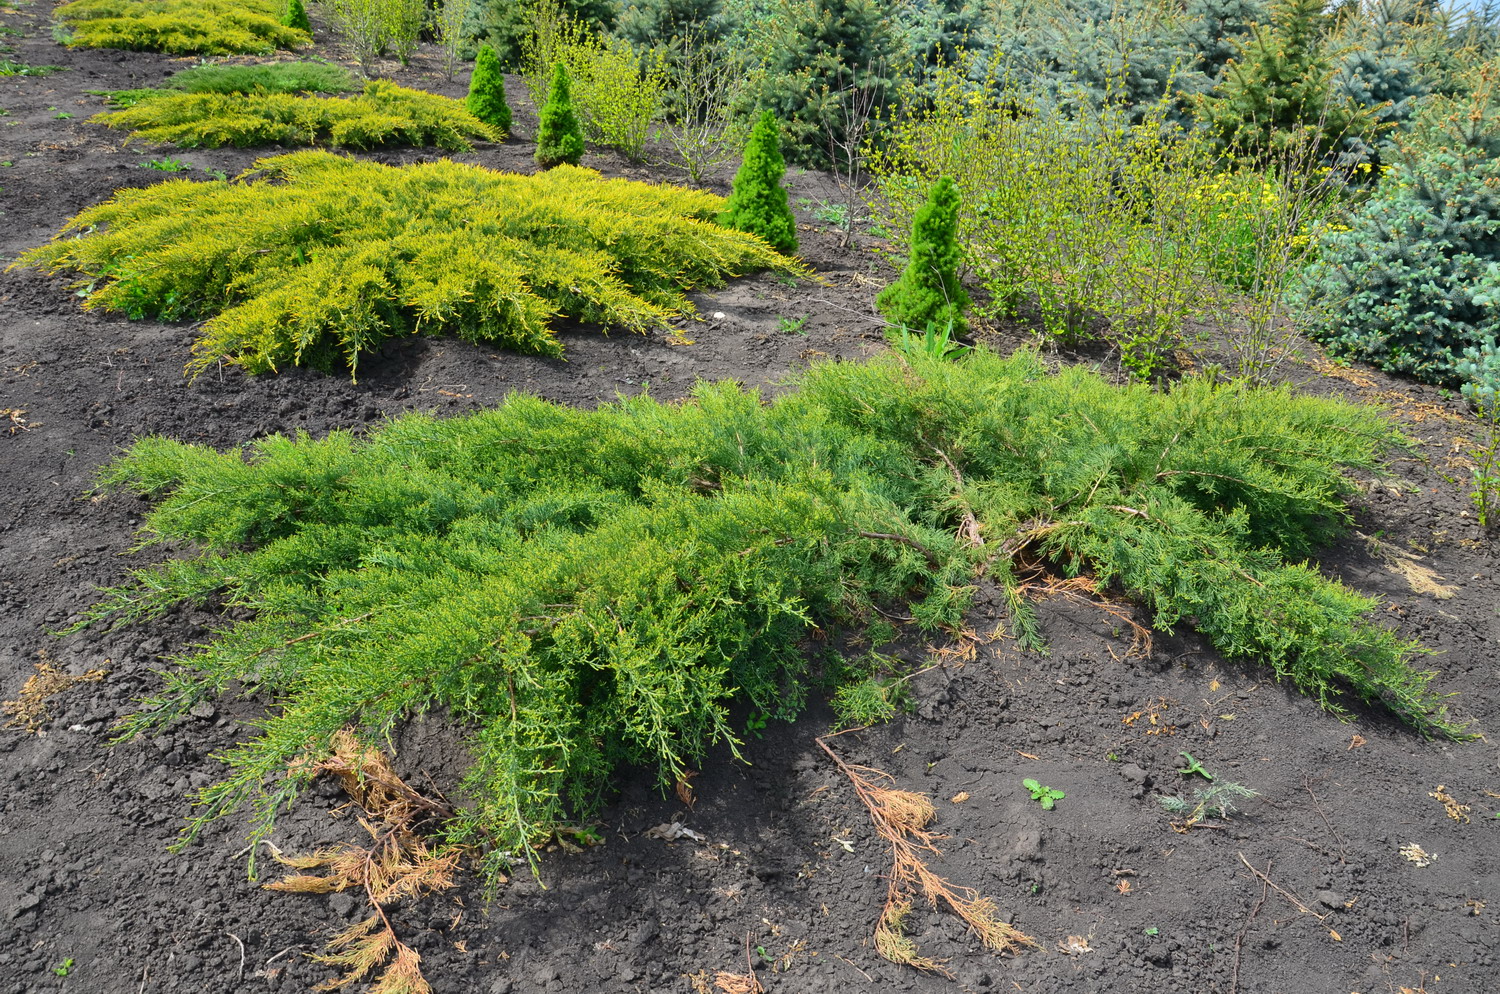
(848, 132)
(1296, 903)
(1239, 940)
(1318, 807)
(900, 818)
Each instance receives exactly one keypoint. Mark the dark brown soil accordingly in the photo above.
(789, 865)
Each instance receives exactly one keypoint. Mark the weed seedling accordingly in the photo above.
(755, 724)
(1153, 931)
(167, 165)
(1046, 796)
(1192, 766)
(64, 968)
(62, 115)
(1214, 801)
(793, 326)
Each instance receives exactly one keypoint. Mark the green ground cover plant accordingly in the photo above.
(384, 114)
(208, 27)
(272, 77)
(314, 258)
(9, 67)
(580, 589)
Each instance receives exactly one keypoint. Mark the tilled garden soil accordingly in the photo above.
(1307, 891)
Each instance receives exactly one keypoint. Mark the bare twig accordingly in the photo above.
(1296, 902)
(1239, 940)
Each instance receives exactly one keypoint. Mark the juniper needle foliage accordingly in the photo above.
(209, 27)
(384, 114)
(315, 259)
(582, 589)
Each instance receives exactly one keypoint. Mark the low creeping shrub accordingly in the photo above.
(582, 589)
(274, 77)
(209, 27)
(315, 259)
(384, 114)
(271, 77)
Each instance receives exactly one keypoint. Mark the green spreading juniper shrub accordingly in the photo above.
(208, 27)
(273, 77)
(487, 91)
(559, 136)
(757, 202)
(296, 16)
(582, 589)
(384, 114)
(928, 295)
(315, 259)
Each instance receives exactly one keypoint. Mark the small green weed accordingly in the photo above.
(936, 343)
(1192, 766)
(793, 326)
(1153, 931)
(64, 968)
(755, 724)
(1046, 796)
(62, 115)
(12, 68)
(167, 165)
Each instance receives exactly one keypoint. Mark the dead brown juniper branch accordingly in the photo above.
(396, 864)
(29, 709)
(901, 818)
(1040, 586)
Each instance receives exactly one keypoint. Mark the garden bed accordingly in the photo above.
(1307, 890)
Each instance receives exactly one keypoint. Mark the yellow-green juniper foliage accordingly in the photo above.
(580, 589)
(209, 27)
(384, 114)
(315, 259)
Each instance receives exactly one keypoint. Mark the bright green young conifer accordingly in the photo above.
(928, 294)
(487, 90)
(296, 16)
(559, 138)
(758, 202)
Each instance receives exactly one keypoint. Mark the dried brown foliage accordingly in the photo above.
(396, 864)
(29, 710)
(901, 818)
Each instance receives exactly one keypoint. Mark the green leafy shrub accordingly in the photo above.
(1413, 279)
(581, 589)
(559, 138)
(210, 27)
(758, 202)
(1089, 219)
(928, 295)
(487, 91)
(618, 93)
(316, 259)
(385, 114)
(296, 16)
(372, 28)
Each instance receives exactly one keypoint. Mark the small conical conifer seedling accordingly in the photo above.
(757, 203)
(487, 90)
(559, 137)
(296, 16)
(928, 294)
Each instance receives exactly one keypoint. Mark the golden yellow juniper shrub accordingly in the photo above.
(208, 27)
(384, 114)
(313, 258)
